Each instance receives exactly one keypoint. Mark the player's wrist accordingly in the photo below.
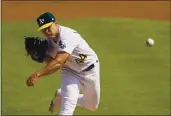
(42, 72)
(37, 75)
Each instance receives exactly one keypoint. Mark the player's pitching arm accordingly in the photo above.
(48, 59)
(51, 67)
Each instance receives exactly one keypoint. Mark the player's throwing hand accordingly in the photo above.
(32, 80)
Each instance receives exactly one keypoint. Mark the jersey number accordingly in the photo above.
(81, 59)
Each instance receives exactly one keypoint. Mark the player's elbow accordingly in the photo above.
(59, 62)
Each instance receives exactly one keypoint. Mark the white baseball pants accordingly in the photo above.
(73, 83)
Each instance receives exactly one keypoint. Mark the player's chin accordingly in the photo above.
(51, 36)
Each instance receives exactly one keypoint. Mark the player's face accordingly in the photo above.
(50, 31)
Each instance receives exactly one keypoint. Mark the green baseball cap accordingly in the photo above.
(45, 20)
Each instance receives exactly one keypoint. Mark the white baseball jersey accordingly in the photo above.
(81, 54)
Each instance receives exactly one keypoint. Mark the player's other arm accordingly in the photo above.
(47, 60)
(53, 64)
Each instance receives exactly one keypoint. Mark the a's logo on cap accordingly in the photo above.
(41, 21)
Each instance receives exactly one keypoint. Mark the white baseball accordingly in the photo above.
(150, 42)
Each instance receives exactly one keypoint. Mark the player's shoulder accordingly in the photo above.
(65, 28)
(68, 33)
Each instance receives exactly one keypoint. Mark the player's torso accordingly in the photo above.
(81, 57)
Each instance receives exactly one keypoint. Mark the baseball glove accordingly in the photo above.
(36, 47)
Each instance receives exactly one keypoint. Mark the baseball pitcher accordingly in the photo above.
(65, 49)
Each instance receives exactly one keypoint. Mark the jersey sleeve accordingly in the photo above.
(68, 43)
